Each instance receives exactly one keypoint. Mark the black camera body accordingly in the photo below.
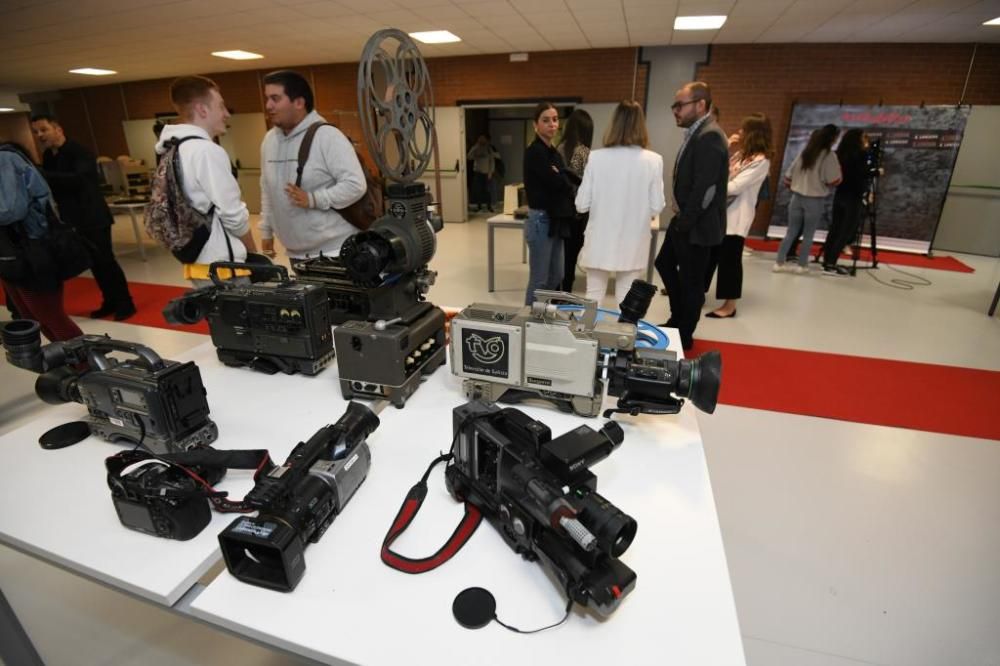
(540, 494)
(298, 501)
(156, 402)
(268, 326)
(156, 498)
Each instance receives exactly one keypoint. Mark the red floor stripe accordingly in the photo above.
(918, 396)
(943, 263)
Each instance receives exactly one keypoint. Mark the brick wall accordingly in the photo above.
(770, 78)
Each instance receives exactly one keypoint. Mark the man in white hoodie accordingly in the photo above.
(206, 173)
(304, 217)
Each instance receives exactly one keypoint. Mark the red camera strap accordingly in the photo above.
(408, 511)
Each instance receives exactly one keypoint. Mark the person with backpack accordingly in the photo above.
(25, 206)
(194, 166)
(310, 174)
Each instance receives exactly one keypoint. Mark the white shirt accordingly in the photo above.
(622, 189)
(742, 191)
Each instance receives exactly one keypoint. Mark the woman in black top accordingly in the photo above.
(575, 150)
(550, 204)
(848, 199)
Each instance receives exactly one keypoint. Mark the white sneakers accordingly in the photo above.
(786, 268)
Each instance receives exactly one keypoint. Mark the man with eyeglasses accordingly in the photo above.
(701, 172)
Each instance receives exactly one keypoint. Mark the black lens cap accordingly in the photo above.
(474, 608)
(64, 435)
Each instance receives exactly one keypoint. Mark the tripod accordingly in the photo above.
(870, 203)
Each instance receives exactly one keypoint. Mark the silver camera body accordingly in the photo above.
(539, 348)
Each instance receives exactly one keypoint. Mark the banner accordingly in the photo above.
(919, 148)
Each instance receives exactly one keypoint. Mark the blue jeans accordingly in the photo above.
(545, 255)
(804, 214)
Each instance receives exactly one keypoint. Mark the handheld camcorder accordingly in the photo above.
(298, 501)
(146, 400)
(271, 326)
(388, 336)
(560, 354)
(540, 494)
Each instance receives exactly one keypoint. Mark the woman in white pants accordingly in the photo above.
(622, 189)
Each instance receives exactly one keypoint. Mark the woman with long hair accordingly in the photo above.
(575, 149)
(622, 189)
(848, 199)
(748, 170)
(810, 178)
(549, 193)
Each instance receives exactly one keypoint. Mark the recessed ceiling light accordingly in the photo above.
(995, 21)
(5, 109)
(699, 22)
(435, 37)
(237, 55)
(93, 71)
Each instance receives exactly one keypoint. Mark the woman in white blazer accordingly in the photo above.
(748, 170)
(622, 189)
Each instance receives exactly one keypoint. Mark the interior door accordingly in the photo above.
(450, 124)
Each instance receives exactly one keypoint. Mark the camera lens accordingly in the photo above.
(184, 310)
(22, 338)
(57, 385)
(365, 256)
(633, 307)
(613, 528)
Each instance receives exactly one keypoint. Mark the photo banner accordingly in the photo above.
(919, 149)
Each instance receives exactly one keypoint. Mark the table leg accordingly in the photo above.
(15, 645)
(138, 236)
(524, 249)
(996, 299)
(652, 255)
(490, 231)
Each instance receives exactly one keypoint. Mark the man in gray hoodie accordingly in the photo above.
(304, 217)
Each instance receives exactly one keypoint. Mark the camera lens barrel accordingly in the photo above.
(613, 528)
(22, 338)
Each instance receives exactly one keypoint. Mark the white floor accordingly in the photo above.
(847, 544)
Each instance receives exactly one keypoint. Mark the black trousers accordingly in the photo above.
(728, 257)
(682, 266)
(571, 250)
(846, 217)
(480, 189)
(109, 275)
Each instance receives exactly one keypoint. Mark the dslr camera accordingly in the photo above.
(269, 326)
(540, 494)
(145, 400)
(564, 354)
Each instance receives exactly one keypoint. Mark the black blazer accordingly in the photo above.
(700, 187)
(72, 174)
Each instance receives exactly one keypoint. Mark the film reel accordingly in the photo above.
(396, 105)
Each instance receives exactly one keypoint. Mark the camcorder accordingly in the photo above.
(269, 326)
(298, 501)
(565, 355)
(873, 158)
(387, 336)
(540, 494)
(146, 401)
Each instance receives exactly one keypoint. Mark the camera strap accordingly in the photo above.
(408, 511)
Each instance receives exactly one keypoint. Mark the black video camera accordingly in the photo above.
(539, 493)
(147, 400)
(873, 158)
(268, 326)
(298, 501)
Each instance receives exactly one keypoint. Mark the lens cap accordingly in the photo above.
(474, 608)
(65, 435)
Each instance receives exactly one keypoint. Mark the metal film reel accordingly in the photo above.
(396, 105)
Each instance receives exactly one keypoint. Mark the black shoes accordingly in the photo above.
(835, 271)
(103, 311)
(121, 312)
(716, 315)
(124, 312)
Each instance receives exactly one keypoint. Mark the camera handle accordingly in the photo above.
(97, 359)
(213, 270)
(543, 303)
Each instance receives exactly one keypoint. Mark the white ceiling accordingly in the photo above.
(144, 39)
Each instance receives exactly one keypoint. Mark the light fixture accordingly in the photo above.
(435, 37)
(5, 109)
(237, 55)
(699, 22)
(995, 21)
(93, 71)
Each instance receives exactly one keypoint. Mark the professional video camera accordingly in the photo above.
(873, 158)
(147, 401)
(267, 326)
(298, 501)
(540, 494)
(557, 353)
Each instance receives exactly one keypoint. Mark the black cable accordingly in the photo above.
(569, 607)
(899, 283)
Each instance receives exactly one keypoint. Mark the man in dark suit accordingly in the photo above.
(701, 173)
(71, 171)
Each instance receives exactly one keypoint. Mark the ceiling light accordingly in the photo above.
(995, 21)
(435, 37)
(93, 71)
(5, 109)
(237, 55)
(699, 22)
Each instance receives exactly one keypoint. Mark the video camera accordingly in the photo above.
(558, 354)
(147, 401)
(540, 494)
(388, 336)
(268, 326)
(298, 501)
(873, 158)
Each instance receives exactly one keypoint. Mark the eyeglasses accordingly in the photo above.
(677, 106)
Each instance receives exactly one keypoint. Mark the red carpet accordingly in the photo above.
(887, 256)
(918, 396)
